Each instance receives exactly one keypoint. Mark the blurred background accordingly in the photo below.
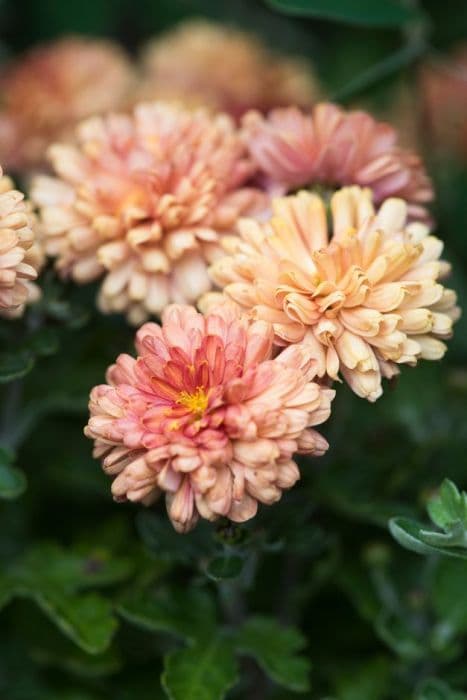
(98, 598)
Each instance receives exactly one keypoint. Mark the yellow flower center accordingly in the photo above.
(197, 402)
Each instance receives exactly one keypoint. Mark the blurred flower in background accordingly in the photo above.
(201, 62)
(331, 147)
(206, 416)
(21, 256)
(142, 200)
(47, 90)
(443, 84)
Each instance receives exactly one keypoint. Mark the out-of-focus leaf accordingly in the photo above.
(224, 567)
(413, 536)
(50, 565)
(51, 578)
(380, 71)
(73, 315)
(384, 13)
(15, 365)
(368, 681)
(205, 671)
(44, 342)
(138, 686)
(188, 614)
(160, 537)
(85, 619)
(356, 583)
(277, 650)
(93, 18)
(76, 661)
(449, 511)
(448, 594)
(396, 633)
(434, 689)
(12, 481)
(449, 506)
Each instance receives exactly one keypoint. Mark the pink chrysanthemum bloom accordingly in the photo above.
(206, 416)
(47, 91)
(201, 62)
(331, 147)
(142, 200)
(364, 296)
(20, 254)
(443, 86)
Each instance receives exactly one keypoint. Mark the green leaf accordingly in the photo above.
(383, 13)
(76, 661)
(205, 671)
(86, 619)
(224, 567)
(380, 71)
(448, 594)
(51, 578)
(277, 650)
(48, 565)
(12, 481)
(396, 633)
(413, 536)
(14, 365)
(434, 689)
(160, 537)
(369, 681)
(189, 614)
(449, 506)
(44, 342)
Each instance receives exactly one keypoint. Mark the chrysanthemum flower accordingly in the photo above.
(52, 87)
(331, 147)
(206, 416)
(202, 62)
(443, 88)
(142, 200)
(364, 296)
(20, 254)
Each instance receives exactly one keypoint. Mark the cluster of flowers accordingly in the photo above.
(301, 232)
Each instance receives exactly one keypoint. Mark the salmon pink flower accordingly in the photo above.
(443, 88)
(142, 201)
(206, 416)
(52, 87)
(331, 147)
(20, 254)
(205, 63)
(364, 296)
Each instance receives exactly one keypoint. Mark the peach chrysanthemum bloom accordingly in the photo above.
(201, 62)
(443, 87)
(331, 147)
(142, 200)
(20, 254)
(206, 416)
(47, 91)
(364, 296)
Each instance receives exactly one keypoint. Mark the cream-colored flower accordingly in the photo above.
(52, 87)
(21, 256)
(363, 294)
(142, 201)
(205, 63)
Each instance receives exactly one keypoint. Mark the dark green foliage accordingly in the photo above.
(313, 598)
(448, 511)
